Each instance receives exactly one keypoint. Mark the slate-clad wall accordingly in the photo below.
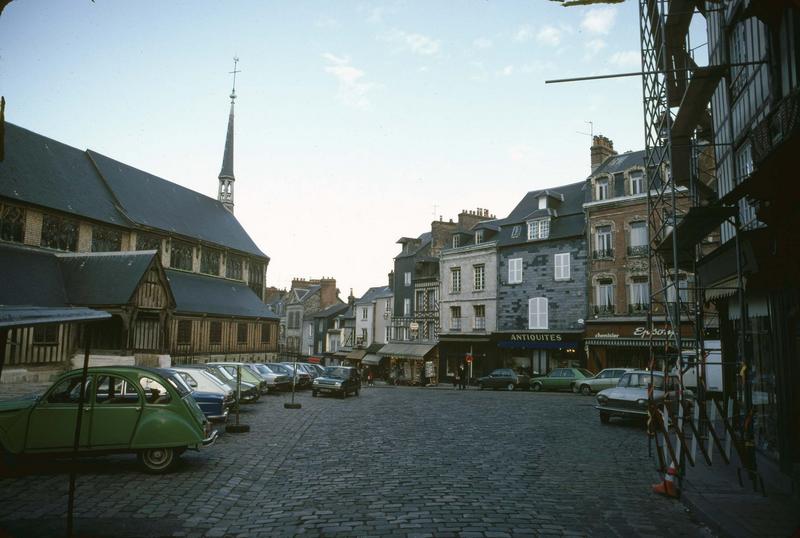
(401, 291)
(566, 298)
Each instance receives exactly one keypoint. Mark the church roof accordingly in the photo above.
(201, 294)
(40, 171)
(154, 202)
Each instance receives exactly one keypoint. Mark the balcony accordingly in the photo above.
(635, 251)
(604, 254)
(782, 123)
(480, 324)
(455, 324)
(638, 308)
(602, 309)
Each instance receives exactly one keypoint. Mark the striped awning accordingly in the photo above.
(406, 350)
(371, 359)
(636, 342)
(356, 355)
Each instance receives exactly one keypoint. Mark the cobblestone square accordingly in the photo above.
(391, 462)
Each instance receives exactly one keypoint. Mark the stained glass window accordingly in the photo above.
(146, 241)
(106, 239)
(209, 261)
(180, 256)
(233, 267)
(12, 223)
(59, 233)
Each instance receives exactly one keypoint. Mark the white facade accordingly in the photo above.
(460, 306)
(373, 316)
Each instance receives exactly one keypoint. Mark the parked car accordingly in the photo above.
(276, 381)
(341, 380)
(247, 374)
(560, 379)
(250, 392)
(212, 404)
(201, 379)
(505, 378)
(629, 397)
(146, 411)
(302, 379)
(605, 379)
(310, 370)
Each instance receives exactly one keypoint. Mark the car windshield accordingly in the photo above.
(222, 372)
(263, 369)
(337, 372)
(642, 380)
(179, 384)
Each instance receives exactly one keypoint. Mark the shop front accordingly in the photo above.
(537, 352)
(623, 344)
(476, 353)
(407, 361)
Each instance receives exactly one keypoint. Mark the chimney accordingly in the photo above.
(327, 292)
(299, 283)
(351, 300)
(602, 149)
(391, 280)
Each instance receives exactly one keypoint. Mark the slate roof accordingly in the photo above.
(154, 202)
(620, 163)
(332, 310)
(201, 294)
(43, 172)
(103, 278)
(424, 240)
(568, 222)
(31, 277)
(301, 295)
(373, 294)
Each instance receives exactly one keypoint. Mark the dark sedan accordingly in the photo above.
(505, 378)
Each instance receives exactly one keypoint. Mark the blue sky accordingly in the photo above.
(353, 118)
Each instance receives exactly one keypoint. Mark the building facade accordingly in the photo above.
(541, 290)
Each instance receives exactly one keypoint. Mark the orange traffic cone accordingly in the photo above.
(668, 487)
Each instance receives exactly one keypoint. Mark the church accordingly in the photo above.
(178, 274)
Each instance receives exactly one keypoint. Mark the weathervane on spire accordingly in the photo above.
(233, 91)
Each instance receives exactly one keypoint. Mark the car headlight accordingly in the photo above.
(316, 382)
(338, 384)
(641, 403)
(602, 398)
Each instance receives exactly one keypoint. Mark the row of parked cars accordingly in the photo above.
(156, 413)
(621, 392)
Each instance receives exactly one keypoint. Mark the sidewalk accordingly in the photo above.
(715, 495)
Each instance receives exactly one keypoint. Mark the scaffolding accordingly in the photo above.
(682, 212)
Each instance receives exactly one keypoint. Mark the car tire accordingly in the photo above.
(158, 460)
(604, 418)
(510, 386)
(314, 393)
(586, 390)
(537, 387)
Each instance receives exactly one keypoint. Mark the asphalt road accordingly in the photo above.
(394, 461)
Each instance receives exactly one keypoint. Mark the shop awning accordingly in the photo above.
(314, 360)
(356, 355)
(406, 350)
(371, 359)
(27, 316)
(688, 343)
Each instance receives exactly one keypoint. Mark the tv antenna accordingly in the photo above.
(591, 130)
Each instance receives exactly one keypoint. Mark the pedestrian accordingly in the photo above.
(370, 381)
(462, 377)
(455, 379)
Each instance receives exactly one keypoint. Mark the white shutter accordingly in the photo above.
(561, 263)
(515, 270)
(542, 307)
(537, 313)
(532, 313)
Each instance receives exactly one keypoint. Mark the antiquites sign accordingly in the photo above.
(533, 337)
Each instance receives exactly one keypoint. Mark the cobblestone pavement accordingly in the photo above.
(394, 461)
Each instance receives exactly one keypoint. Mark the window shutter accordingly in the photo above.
(532, 313)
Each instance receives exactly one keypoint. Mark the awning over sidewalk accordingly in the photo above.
(635, 342)
(406, 350)
(356, 355)
(370, 359)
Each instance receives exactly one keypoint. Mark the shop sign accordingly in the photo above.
(606, 335)
(536, 337)
(642, 332)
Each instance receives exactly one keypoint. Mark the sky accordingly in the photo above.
(357, 123)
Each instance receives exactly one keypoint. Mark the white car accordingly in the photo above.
(198, 379)
(605, 379)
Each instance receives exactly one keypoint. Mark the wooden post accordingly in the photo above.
(78, 424)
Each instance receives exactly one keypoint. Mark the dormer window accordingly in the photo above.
(602, 189)
(637, 182)
(538, 229)
(478, 237)
(515, 231)
(456, 241)
(543, 202)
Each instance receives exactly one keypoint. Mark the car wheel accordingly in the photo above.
(510, 386)
(586, 390)
(604, 418)
(158, 460)
(314, 393)
(537, 387)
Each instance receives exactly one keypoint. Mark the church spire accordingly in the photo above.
(226, 177)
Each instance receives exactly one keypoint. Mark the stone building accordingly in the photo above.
(541, 289)
(306, 298)
(619, 277)
(468, 304)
